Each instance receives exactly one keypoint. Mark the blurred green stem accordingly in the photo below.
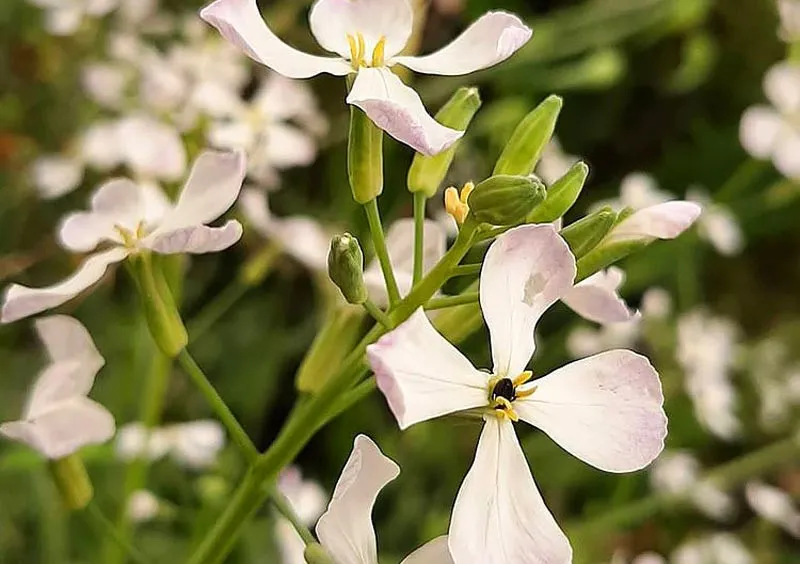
(52, 537)
(379, 241)
(740, 180)
(419, 234)
(105, 529)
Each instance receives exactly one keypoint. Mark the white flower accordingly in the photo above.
(143, 506)
(308, 501)
(606, 409)
(195, 444)
(345, 529)
(773, 505)
(64, 17)
(706, 351)
(720, 548)
(717, 225)
(554, 162)
(773, 132)
(678, 473)
(123, 219)
(368, 35)
(105, 83)
(56, 175)
(789, 12)
(59, 418)
(597, 299)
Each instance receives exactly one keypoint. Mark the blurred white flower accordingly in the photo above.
(649, 558)
(773, 505)
(717, 224)
(56, 175)
(367, 37)
(719, 548)
(706, 351)
(59, 419)
(656, 304)
(143, 506)
(606, 409)
(554, 163)
(773, 132)
(789, 12)
(195, 444)
(126, 219)
(308, 500)
(64, 17)
(105, 83)
(677, 473)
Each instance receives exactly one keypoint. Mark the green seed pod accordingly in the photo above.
(505, 200)
(561, 195)
(585, 234)
(427, 173)
(316, 554)
(72, 481)
(364, 157)
(346, 268)
(523, 150)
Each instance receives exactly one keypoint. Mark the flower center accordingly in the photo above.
(503, 391)
(130, 238)
(358, 51)
(456, 204)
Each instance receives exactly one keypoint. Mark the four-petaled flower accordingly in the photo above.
(605, 409)
(368, 36)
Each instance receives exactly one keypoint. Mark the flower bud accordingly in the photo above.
(505, 200)
(346, 268)
(316, 554)
(427, 173)
(72, 481)
(585, 234)
(364, 157)
(523, 150)
(561, 195)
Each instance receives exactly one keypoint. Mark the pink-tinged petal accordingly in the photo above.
(662, 221)
(196, 240)
(596, 298)
(345, 529)
(398, 110)
(526, 270)
(499, 516)
(240, 22)
(787, 155)
(606, 409)
(65, 429)
(333, 20)
(422, 375)
(492, 39)
(436, 551)
(759, 130)
(782, 87)
(22, 301)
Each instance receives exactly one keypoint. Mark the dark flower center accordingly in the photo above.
(504, 388)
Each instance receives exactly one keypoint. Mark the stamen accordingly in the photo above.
(125, 235)
(466, 191)
(522, 378)
(140, 230)
(526, 393)
(456, 204)
(353, 50)
(362, 49)
(378, 52)
(503, 407)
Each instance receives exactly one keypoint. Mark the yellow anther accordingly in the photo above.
(378, 52)
(503, 408)
(456, 204)
(522, 378)
(362, 49)
(357, 49)
(129, 238)
(140, 233)
(525, 393)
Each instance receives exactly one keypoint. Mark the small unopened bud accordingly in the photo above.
(346, 268)
(456, 203)
(316, 554)
(585, 234)
(72, 481)
(364, 157)
(427, 173)
(561, 195)
(505, 200)
(523, 150)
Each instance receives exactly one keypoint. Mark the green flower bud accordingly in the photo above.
(72, 481)
(504, 199)
(346, 268)
(364, 157)
(523, 150)
(316, 554)
(585, 234)
(427, 173)
(561, 195)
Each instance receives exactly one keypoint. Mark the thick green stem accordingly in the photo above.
(451, 301)
(377, 314)
(466, 270)
(382, 252)
(419, 234)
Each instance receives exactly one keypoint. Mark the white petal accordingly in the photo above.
(196, 444)
(499, 516)
(759, 129)
(196, 240)
(63, 20)
(436, 551)
(333, 20)
(422, 375)
(662, 221)
(100, 146)
(240, 22)
(773, 505)
(345, 529)
(307, 497)
(135, 441)
(65, 429)
(492, 39)
(526, 270)
(640, 190)
(397, 109)
(287, 146)
(22, 301)
(782, 87)
(65, 338)
(596, 298)
(787, 155)
(54, 175)
(720, 228)
(605, 409)
(105, 83)
(151, 148)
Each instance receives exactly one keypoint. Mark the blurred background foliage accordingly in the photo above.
(649, 85)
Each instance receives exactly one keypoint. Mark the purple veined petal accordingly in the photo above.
(782, 87)
(423, 376)
(240, 22)
(198, 239)
(333, 20)
(345, 529)
(597, 298)
(499, 516)
(759, 130)
(22, 301)
(490, 40)
(526, 270)
(398, 110)
(606, 410)
(436, 551)
(662, 221)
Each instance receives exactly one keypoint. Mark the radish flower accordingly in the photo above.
(367, 36)
(605, 409)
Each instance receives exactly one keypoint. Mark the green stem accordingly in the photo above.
(378, 314)
(105, 529)
(451, 301)
(52, 537)
(419, 234)
(466, 270)
(219, 406)
(741, 178)
(378, 240)
(215, 309)
(283, 506)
